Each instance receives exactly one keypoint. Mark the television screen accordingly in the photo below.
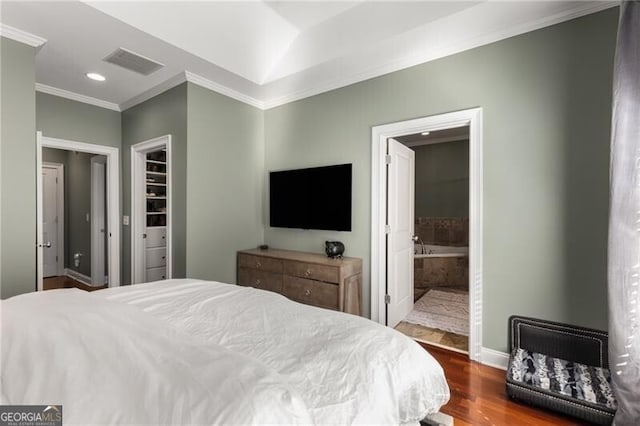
(315, 198)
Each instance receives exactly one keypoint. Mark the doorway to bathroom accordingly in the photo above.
(440, 313)
(426, 274)
(77, 227)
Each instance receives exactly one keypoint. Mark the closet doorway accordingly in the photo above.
(151, 210)
(50, 221)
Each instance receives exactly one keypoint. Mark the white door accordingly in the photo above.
(50, 197)
(98, 221)
(400, 218)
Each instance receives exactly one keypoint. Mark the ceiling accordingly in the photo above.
(452, 134)
(264, 53)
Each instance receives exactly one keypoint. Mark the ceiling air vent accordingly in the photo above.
(133, 62)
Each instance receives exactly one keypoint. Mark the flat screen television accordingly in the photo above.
(314, 198)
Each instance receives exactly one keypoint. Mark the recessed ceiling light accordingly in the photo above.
(425, 133)
(95, 76)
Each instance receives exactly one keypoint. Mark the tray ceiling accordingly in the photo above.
(262, 52)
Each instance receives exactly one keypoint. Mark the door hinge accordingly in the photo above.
(387, 229)
(387, 299)
(387, 159)
(56, 180)
(56, 259)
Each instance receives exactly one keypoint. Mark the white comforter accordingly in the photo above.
(110, 363)
(196, 352)
(346, 368)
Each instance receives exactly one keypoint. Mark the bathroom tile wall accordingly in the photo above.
(440, 272)
(443, 231)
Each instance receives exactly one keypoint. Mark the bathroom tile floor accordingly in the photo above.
(434, 336)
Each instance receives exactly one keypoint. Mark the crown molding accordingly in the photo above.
(197, 80)
(427, 55)
(224, 90)
(21, 36)
(43, 88)
(174, 81)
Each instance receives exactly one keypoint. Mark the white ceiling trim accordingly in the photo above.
(197, 80)
(216, 87)
(21, 36)
(154, 91)
(43, 88)
(428, 55)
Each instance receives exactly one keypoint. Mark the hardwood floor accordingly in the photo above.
(53, 283)
(478, 395)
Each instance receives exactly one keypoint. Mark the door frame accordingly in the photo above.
(379, 135)
(138, 206)
(59, 212)
(96, 191)
(113, 200)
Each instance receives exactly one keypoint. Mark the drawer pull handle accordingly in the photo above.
(257, 282)
(307, 272)
(258, 264)
(307, 292)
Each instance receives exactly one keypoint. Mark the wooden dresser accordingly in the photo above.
(308, 278)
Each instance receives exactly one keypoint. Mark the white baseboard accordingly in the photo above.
(494, 358)
(78, 276)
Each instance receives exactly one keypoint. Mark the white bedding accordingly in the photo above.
(348, 369)
(109, 363)
(196, 352)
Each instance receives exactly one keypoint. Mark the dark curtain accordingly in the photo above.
(624, 220)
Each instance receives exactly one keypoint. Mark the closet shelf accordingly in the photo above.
(156, 162)
(156, 173)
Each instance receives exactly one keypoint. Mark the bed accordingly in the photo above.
(202, 352)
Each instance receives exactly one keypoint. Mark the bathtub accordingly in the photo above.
(439, 251)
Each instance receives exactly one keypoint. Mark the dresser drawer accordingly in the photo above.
(156, 257)
(156, 237)
(156, 274)
(312, 271)
(311, 292)
(259, 263)
(260, 279)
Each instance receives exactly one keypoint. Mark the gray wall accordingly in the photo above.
(78, 205)
(546, 97)
(159, 116)
(224, 183)
(62, 118)
(18, 169)
(52, 155)
(442, 179)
